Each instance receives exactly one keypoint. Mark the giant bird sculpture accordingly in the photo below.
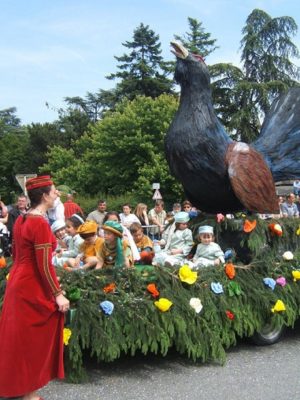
(217, 173)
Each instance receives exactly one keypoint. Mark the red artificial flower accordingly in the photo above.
(229, 314)
(249, 226)
(153, 290)
(230, 270)
(111, 287)
(275, 229)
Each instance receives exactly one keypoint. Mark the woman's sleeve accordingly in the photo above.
(43, 254)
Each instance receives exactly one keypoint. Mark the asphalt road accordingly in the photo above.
(250, 373)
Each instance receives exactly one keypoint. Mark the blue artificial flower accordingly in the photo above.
(107, 307)
(216, 287)
(270, 283)
(228, 254)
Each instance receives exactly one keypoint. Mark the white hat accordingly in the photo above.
(181, 217)
(58, 224)
(206, 229)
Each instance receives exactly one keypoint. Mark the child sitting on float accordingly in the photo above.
(143, 243)
(208, 253)
(88, 256)
(178, 244)
(58, 228)
(74, 241)
(114, 251)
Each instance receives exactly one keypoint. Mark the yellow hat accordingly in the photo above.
(88, 227)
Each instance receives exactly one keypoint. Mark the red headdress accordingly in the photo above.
(39, 181)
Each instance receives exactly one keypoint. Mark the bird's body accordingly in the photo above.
(218, 174)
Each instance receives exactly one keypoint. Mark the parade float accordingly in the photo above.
(200, 314)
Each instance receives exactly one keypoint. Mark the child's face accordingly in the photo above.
(206, 238)
(70, 229)
(60, 233)
(109, 237)
(138, 236)
(182, 226)
(126, 210)
(90, 239)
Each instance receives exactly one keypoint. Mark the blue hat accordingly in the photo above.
(181, 217)
(206, 229)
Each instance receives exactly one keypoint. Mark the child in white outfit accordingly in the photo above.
(179, 244)
(208, 252)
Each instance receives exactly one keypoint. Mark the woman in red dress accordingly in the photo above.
(32, 317)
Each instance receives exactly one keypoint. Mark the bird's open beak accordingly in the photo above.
(179, 50)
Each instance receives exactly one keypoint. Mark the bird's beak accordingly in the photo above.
(179, 50)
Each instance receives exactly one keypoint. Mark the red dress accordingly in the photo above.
(31, 327)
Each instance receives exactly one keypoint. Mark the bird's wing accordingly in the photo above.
(251, 179)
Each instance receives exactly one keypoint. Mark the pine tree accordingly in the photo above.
(197, 40)
(142, 71)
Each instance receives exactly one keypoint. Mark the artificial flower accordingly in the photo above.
(234, 289)
(298, 231)
(279, 306)
(111, 287)
(74, 294)
(281, 281)
(107, 307)
(270, 283)
(216, 287)
(296, 275)
(275, 229)
(288, 256)
(196, 304)
(2, 262)
(230, 270)
(229, 254)
(220, 217)
(229, 314)
(163, 304)
(153, 290)
(7, 277)
(66, 336)
(187, 275)
(249, 226)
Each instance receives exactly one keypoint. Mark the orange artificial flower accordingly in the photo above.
(2, 262)
(153, 290)
(276, 229)
(230, 270)
(111, 287)
(249, 226)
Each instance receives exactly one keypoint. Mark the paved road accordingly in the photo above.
(250, 373)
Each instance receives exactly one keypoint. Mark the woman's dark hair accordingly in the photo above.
(107, 215)
(75, 221)
(36, 195)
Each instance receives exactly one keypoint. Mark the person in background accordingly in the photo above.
(32, 317)
(296, 187)
(208, 253)
(71, 207)
(3, 212)
(114, 252)
(19, 209)
(157, 216)
(57, 212)
(143, 243)
(289, 208)
(99, 214)
(141, 212)
(126, 217)
(176, 208)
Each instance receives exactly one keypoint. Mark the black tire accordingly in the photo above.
(269, 334)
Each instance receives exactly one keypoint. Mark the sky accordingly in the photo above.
(52, 49)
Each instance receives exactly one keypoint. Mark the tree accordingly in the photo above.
(142, 71)
(243, 96)
(9, 122)
(197, 40)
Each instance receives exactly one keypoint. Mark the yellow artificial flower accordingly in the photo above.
(67, 334)
(187, 275)
(279, 306)
(163, 304)
(296, 275)
(7, 277)
(298, 231)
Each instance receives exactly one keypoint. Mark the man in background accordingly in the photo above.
(71, 207)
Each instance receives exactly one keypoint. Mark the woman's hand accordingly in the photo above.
(62, 302)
